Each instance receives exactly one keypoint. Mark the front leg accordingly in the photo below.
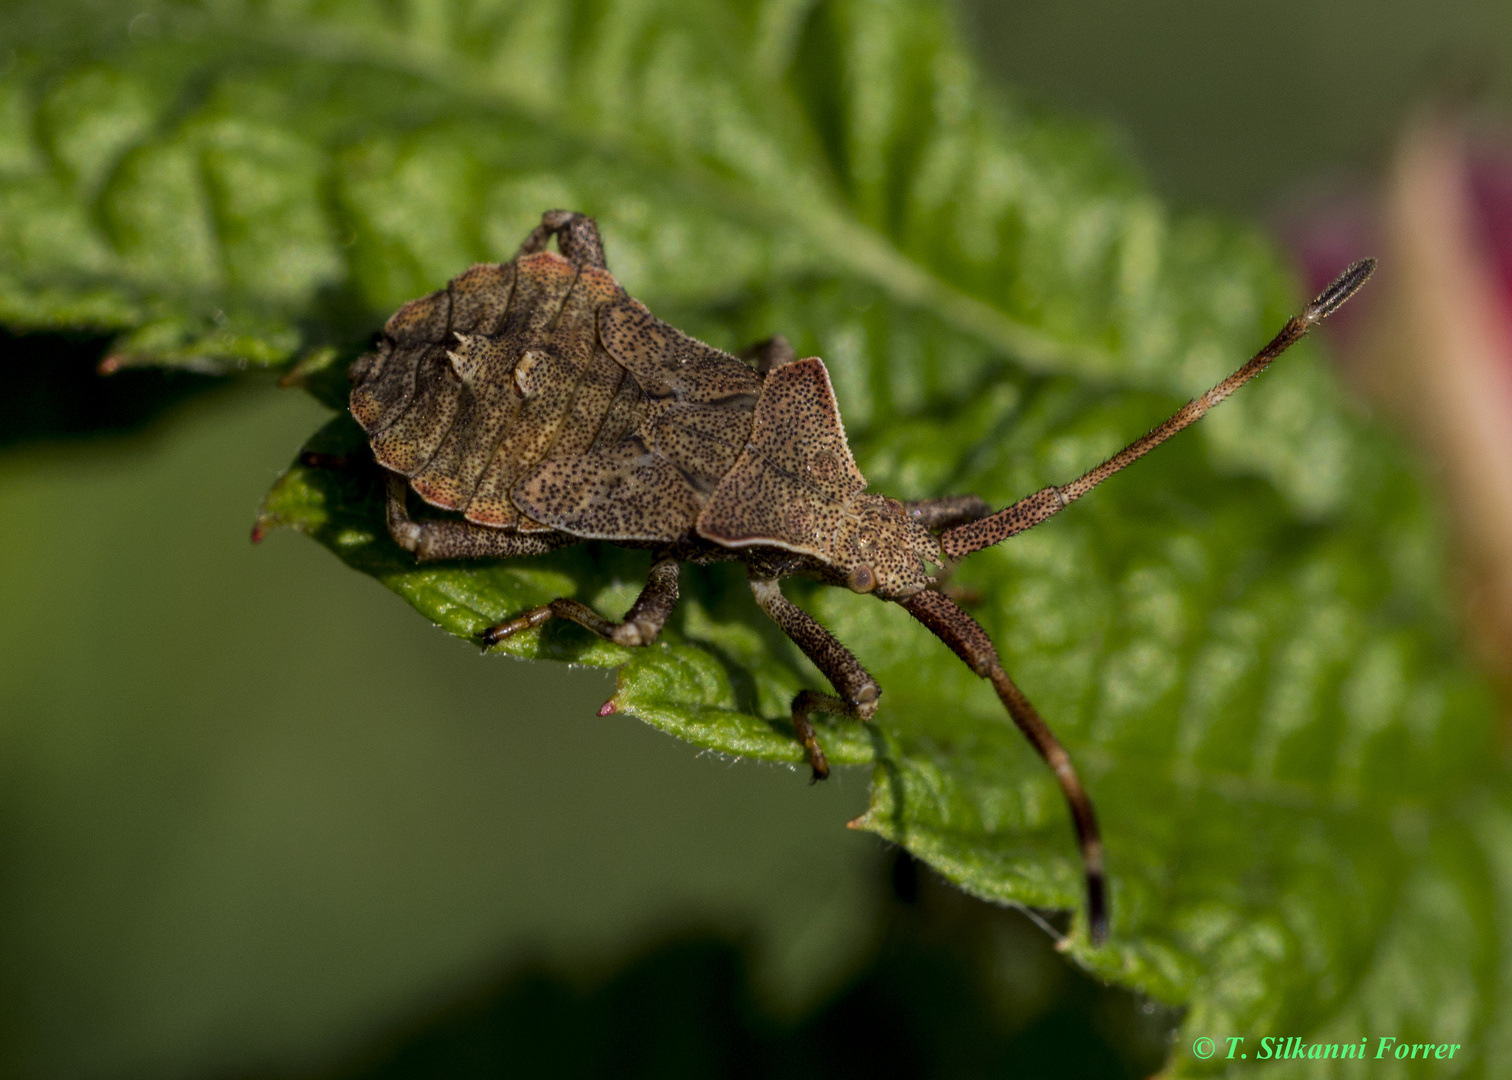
(858, 690)
(641, 625)
(970, 642)
(947, 511)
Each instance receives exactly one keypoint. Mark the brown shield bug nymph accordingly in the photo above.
(544, 406)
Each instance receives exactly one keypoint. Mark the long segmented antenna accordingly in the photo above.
(970, 642)
(1046, 503)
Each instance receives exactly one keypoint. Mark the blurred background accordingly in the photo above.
(273, 852)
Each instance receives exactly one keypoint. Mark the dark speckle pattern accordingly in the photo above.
(793, 481)
(693, 420)
(535, 396)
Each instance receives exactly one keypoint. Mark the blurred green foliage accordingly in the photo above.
(956, 989)
(1246, 105)
(1243, 642)
(54, 391)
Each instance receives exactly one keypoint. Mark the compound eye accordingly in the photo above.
(861, 579)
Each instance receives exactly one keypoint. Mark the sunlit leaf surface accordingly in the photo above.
(1243, 641)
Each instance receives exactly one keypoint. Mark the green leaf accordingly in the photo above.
(1242, 642)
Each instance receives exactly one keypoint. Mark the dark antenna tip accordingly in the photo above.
(1345, 285)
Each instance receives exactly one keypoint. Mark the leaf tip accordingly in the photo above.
(609, 708)
(313, 363)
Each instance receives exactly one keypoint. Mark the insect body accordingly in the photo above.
(546, 407)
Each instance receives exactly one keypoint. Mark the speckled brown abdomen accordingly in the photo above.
(535, 396)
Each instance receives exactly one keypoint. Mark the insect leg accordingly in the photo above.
(432, 540)
(858, 690)
(947, 511)
(1047, 502)
(768, 355)
(312, 459)
(643, 622)
(970, 642)
(577, 235)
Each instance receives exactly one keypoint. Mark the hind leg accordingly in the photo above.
(642, 623)
(577, 237)
(429, 541)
